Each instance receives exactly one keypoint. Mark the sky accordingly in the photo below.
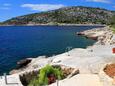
(13, 8)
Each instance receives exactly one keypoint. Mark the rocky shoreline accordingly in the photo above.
(102, 35)
(88, 61)
(58, 24)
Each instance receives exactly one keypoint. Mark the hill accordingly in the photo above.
(70, 15)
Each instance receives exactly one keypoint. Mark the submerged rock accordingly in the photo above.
(80, 33)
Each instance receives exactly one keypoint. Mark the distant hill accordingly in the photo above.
(70, 15)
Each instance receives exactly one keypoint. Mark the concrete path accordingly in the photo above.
(81, 80)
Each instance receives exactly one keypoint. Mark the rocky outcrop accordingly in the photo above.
(80, 33)
(14, 71)
(102, 35)
(24, 62)
(21, 65)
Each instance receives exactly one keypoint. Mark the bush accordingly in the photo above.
(113, 23)
(113, 20)
(47, 76)
(113, 28)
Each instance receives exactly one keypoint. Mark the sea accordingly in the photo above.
(20, 42)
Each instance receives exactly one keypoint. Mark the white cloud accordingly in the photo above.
(42, 7)
(6, 4)
(102, 1)
(4, 8)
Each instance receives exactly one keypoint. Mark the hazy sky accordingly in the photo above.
(12, 8)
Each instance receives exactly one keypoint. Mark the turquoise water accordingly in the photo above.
(19, 42)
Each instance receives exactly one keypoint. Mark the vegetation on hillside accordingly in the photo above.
(113, 20)
(71, 15)
(0, 23)
(113, 23)
(47, 75)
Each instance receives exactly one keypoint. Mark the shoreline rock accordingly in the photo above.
(24, 62)
(102, 35)
(21, 65)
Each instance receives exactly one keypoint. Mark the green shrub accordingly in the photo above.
(113, 20)
(113, 28)
(113, 23)
(42, 78)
